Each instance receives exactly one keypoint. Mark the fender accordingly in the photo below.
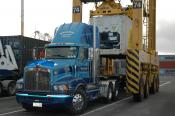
(81, 85)
(76, 83)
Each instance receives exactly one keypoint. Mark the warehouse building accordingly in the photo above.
(167, 65)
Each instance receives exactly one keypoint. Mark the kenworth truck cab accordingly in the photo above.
(64, 76)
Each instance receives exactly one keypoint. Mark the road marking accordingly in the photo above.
(165, 83)
(106, 106)
(3, 114)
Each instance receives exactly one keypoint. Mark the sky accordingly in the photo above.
(46, 15)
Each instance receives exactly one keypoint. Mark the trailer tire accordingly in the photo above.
(146, 90)
(79, 102)
(11, 88)
(115, 93)
(153, 87)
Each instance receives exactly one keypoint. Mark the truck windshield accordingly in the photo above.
(61, 52)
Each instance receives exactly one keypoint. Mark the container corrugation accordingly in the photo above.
(22, 48)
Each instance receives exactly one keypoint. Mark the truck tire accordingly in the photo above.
(11, 88)
(79, 102)
(0, 89)
(146, 89)
(115, 93)
(139, 97)
(153, 87)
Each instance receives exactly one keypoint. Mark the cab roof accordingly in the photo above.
(77, 33)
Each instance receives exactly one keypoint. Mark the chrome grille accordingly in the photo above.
(37, 80)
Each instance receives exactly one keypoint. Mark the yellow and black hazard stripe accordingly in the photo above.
(132, 70)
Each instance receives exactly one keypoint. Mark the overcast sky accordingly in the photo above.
(46, 15)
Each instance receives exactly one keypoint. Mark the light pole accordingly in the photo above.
(22, 17)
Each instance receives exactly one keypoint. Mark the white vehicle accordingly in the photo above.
(8, 70)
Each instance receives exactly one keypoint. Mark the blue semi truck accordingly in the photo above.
(71, 74)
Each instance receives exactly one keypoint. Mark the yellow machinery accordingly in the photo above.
(142, 64)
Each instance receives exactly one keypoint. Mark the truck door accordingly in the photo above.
(84, 67)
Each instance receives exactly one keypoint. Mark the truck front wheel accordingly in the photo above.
(79, 102)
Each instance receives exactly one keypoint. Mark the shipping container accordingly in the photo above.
(167, 57)
(114, 32)
(167, 64)
(22, 48)
(167, 72)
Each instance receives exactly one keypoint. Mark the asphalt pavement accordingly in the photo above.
(160, 104)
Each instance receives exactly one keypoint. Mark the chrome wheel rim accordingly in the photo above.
(116, 94)
(78, 102)
(110, 94)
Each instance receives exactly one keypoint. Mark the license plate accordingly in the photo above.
(37, 105)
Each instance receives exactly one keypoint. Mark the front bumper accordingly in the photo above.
(47, 101)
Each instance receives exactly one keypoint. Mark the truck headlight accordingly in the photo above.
(61, 88)
(19, 86)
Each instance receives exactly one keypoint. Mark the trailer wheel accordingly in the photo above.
(139, 97)
(0, 89)
(79, 102)
(146, 91)
(115, 93)
(11, 88)
(153, 87)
